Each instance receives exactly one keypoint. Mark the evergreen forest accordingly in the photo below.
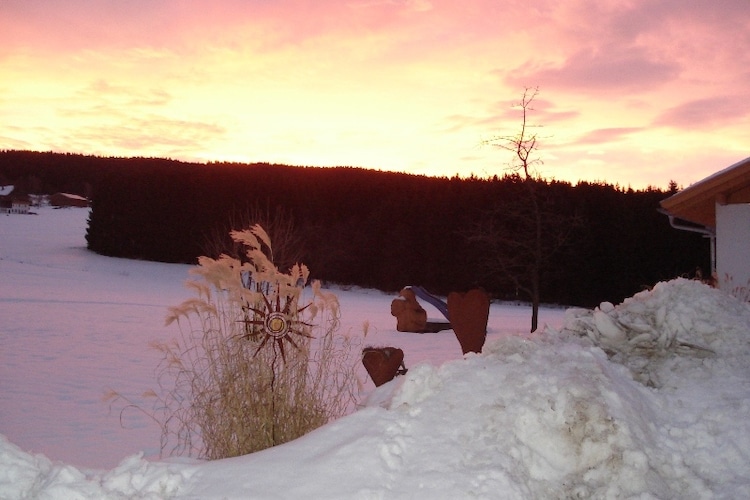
(375, 229)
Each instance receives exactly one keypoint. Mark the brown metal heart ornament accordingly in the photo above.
(469, 313)
(383, 363)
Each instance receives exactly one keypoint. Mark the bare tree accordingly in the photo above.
(520, 234)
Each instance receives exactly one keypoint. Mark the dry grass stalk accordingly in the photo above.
(253, 367)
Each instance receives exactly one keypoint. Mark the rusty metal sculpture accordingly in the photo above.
(272, 322)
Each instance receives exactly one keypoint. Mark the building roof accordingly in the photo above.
(697, 203)
(70, 196)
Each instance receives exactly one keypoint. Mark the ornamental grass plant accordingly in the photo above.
(259, 360)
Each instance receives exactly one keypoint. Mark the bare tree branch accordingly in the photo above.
(520, 236)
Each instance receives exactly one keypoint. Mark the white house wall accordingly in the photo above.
(733, 247)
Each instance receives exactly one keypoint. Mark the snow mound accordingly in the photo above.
(23, 475)
(504, 421)
(676, 319)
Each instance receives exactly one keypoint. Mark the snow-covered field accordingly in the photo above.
(665, 415)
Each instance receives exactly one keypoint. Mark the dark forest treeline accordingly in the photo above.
(368, 228)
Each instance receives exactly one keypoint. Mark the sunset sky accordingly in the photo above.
(631, 92)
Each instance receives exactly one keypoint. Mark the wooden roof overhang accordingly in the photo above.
(697, 203)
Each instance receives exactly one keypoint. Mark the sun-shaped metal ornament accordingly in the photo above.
(276, 323)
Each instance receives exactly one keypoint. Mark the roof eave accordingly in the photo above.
(697, 203)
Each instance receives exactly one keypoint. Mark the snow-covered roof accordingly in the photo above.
(697, 203)
(72, 196)
(6, 190)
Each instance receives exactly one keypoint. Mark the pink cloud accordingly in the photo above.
(634, 46)
(76, 25)
(83, 24)
(707, 112)
(610, 68)
(605, 135)
(94, 25)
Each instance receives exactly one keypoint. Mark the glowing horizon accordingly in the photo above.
(636, 95)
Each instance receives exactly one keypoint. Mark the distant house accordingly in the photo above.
(20, 205)
(13, 203)
(719, 206)
(67, 200)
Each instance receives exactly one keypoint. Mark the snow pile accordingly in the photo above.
(537, 416)
(23, 475)
(541, 417)
(677, 322)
